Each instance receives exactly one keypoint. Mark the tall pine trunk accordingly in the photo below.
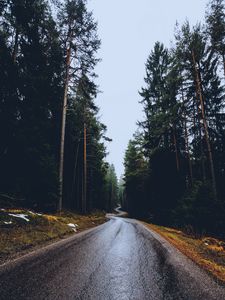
(188, 156)
(223, 57)
(186, 139)
(200, 127)
(176, 149)
(64, 110)
(73, 188)
(205, 125)
(15, 48)
(84, 198)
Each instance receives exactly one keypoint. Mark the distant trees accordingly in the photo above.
(111, 189)
(46, 100)
(135, 178)
(121, 193)
(183, 132)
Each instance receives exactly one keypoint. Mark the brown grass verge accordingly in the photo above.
(18, 236)
(207, 252)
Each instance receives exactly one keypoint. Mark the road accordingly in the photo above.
(120, 259)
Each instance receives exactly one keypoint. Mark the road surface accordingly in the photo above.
(120, 259)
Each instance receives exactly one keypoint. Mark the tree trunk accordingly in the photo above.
(15, 48)
(187, 150)
(188, 156)
(223, 64)
(200, 127)
(73, 189)
(84, 199)
(62, 142)
(206, 131)
(176, 150)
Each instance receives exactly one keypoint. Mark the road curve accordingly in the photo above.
(120, 259)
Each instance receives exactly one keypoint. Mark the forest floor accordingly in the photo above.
(23, 230)
(207, 252)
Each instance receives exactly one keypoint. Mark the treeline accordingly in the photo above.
(52, 151)
(175, 164)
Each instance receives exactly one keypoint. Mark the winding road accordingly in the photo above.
(120, 259)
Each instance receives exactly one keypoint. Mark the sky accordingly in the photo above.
(128, 30)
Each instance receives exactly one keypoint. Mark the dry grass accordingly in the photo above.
(18, 236)
(207, 252)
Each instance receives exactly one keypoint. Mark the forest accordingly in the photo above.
(53, 145)
(74, 225)
(53, 150)
(175, 162)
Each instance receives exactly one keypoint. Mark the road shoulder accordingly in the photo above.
(23, 231)
(208, 253)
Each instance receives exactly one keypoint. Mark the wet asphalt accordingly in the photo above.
(118, 260)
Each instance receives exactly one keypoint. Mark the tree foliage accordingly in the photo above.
(34, 40)
(181, 140)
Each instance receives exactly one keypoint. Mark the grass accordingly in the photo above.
(207, 252)
(18, 236)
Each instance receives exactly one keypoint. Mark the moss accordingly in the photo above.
(18, 235)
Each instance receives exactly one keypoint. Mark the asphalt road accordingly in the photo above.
(117, 260)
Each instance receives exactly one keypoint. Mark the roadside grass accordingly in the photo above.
(207, 252)
(23, 230)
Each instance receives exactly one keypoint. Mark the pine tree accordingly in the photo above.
(135, 179)
(111, 192)
(36, 57)
(215, 20)
(78, 31)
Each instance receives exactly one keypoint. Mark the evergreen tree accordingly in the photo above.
(82, 110)
(215, 21)
(34, 71)
(111, 192)
(182, 135)
(78, 31)
(135, 179)
(36, 57)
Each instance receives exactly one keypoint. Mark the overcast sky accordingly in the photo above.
(128, 30)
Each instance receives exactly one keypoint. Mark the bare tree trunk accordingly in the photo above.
(75, 173)
(62, 142)
(223, 64)
(84, 202)
(15, 48)
(200, 127)
(176, 150)
(188, 151)
(188, 156)
(198, 79)
(202, 155)
(90, 200)
(78, 191)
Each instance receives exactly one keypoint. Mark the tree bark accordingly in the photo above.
(223, 64)
(64, 109)
(198, 111)
(206, 131)
(15, 48)
(73, 194)
(188, 156)
(187, 150)
(84, 199)
(176, 150)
